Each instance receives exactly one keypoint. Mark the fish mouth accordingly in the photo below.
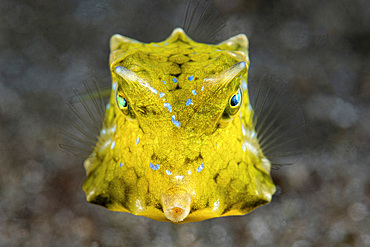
(176, 204)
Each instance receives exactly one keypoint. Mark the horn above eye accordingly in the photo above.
(222, 80)
(136, 82)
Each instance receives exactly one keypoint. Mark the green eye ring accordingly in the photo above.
(124, 105)
(121, 101)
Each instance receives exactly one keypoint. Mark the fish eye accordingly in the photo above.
(236, 99)
(121, 101)
(233, 106)
(124, 105)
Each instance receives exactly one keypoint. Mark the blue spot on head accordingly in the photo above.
(161, 94)
(114, 86)
(202, 88)
(189, 102)
(120, 164)
(155, 45)
(154, 167)
(176, 123)
(194, 92)
(107, 106)
(164, 82)
(137, 140)
(174, 80)
(168, 106)
(244, 85)
(166, 43)
(103, 131)
(200, 168)
(113, 145)
(190, 78)
(168, 172)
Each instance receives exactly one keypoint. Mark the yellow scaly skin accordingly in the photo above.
(190, 164)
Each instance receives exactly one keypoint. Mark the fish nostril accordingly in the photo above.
(176, 204)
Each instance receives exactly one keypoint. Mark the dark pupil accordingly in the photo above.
(235, 100)
(121, 101)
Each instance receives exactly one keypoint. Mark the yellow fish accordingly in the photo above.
(178, 141)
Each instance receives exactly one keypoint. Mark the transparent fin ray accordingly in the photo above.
(278, 120)
(88, 110)
(82, 119)
(76, 151)
(80, 115)
(89, 136)
(76, 138)
(99, 110)
(203, 20)
(265, 135)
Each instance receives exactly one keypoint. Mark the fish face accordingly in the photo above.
(178, 142)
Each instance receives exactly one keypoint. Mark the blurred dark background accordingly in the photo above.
(320, 48)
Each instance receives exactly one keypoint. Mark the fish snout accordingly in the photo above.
(176, 204)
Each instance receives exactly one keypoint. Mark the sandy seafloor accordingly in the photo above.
(320, 48)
